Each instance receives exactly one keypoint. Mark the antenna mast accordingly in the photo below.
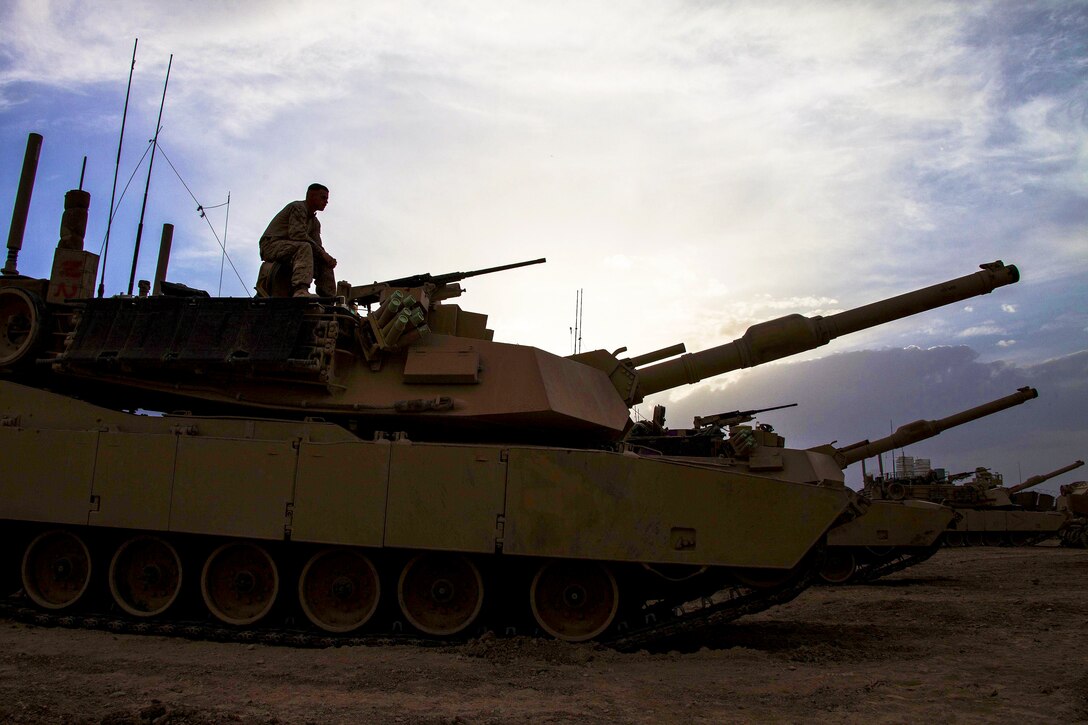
(147, 186)
(223, 259)
(576, 331)
(116, 168)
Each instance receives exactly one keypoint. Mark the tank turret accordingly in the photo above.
(1042, 477)
(416, 363)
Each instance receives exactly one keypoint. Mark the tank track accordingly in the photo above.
(710, 617)
(13, 608)
(884, 567)
(662, 626)
(1075, 535)
(1029, 540)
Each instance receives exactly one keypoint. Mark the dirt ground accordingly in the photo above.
(972, 635)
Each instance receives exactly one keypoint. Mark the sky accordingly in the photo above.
(692, 167)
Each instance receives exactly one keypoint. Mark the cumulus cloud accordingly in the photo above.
(1011, 309)
(981, 330)
(817, 155)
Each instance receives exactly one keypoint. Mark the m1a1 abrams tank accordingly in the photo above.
(1073, 501)
(992, 514)
(379, 463)
(896, 534)
(890, 536)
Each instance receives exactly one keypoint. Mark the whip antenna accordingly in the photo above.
(116, 168)
(147, 186)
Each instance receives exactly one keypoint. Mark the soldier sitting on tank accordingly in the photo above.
(294, 237)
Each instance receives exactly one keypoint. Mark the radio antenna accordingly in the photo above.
(147, 186)
(116, 168)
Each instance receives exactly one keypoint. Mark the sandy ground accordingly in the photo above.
(972, 635)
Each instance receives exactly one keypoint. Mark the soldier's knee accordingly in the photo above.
(304, 254)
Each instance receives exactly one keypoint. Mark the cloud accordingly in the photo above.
(981, 330)
(747, 159)
(1011, 309)
(1006, 343)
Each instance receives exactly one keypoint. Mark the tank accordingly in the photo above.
(890, 536)
(1073, 501)
(992, 514)
(327, 470)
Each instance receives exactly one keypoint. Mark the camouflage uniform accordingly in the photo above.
(292, 236)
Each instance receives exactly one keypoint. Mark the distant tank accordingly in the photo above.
(1073, 502)
(378, 463)
(992, 514)
(890, 536)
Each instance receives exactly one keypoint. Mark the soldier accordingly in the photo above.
(294, 236)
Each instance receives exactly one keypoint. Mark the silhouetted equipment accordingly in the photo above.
(991, 513)
(344, 458)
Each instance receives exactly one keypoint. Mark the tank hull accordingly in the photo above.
(889, 537)
(1007, 527)
(894, 523)
(107, 478)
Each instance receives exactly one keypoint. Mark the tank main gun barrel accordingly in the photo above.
(921, 429)
(1036, 480)
(792, 334)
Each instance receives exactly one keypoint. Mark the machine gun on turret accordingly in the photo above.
(734, 417)
(707, 437)
(371, 293)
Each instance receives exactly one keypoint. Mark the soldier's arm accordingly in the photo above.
(298, 226)
(330, 261)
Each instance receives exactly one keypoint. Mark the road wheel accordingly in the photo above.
(145, 576)
(439, 593)
(954, 538)
(574, 600)
(839, 566)
(339, 589)
(56, 569)
(239, 583)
